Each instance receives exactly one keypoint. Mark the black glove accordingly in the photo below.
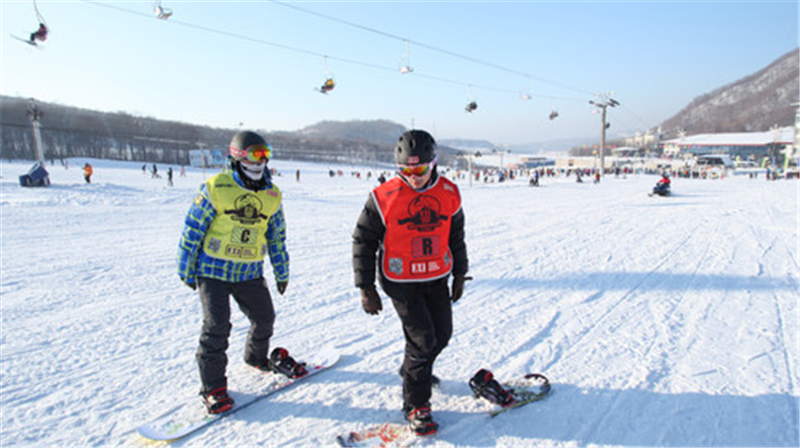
(282, 286)
(458, 287)
(371, 301)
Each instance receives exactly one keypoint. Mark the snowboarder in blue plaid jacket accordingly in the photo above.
(234, 223)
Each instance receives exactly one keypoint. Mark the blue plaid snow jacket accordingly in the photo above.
(193, 262)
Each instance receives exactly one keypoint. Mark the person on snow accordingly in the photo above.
(415, 223)
(534, 182)
(87, 173)
(663, 185)
(235, 221)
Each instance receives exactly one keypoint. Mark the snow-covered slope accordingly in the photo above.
(660, 321)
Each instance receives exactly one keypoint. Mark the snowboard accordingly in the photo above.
(191, 417)
(532, 387)
(385, 435)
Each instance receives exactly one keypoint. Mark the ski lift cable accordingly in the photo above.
(431, 47)
(38, 14)
(639, 119)
(312, 53)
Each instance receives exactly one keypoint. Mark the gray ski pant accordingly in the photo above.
(255, 301)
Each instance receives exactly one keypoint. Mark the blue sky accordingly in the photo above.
(258, 62)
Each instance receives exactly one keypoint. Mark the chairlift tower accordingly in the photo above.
(34, 114)
(470, 158)
(603, 105)
(502, 151)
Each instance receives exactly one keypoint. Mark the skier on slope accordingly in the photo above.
(416, 224)
(234, 222)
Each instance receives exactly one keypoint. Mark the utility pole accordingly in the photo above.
(603, 105)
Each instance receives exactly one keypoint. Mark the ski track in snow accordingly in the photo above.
(659, 321)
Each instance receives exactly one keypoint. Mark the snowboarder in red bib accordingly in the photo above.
(412, 226)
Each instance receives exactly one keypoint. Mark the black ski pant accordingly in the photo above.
(254, 300)
(427, 317)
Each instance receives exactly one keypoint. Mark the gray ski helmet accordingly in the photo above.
(242, 141)
(415, 147)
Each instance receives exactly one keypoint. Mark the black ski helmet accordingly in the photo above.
(415, 147)
(242, 141)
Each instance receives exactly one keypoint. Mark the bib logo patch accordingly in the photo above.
(247, 209)
(396, 266)
(424, 214)
(214, 245)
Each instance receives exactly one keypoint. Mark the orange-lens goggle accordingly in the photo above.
(416, 170)
(257, 152)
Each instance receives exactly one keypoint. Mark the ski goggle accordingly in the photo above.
(416, 170)
(254, 153)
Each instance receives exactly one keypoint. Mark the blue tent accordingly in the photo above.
(36, 177)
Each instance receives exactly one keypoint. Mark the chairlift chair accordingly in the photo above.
(405, 60)
(161, 12)
(327, 86)
(41, 33)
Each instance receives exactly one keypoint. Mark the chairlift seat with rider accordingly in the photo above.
(40, 35)
(327, 86)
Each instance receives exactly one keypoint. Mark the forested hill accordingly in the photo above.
(73, 132)
(754, 103)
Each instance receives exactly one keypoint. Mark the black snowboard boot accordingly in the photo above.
(217, 401)
(484, 385)
(420, 420)
(281, 362)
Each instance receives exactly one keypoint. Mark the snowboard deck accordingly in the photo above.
(191, 417)
(531, 388)
(384, 435)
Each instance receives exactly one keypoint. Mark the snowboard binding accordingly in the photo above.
(281, 362)
(484, 385)
(420, 420)
(217, 401)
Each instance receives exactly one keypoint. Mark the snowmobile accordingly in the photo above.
(661, 189)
